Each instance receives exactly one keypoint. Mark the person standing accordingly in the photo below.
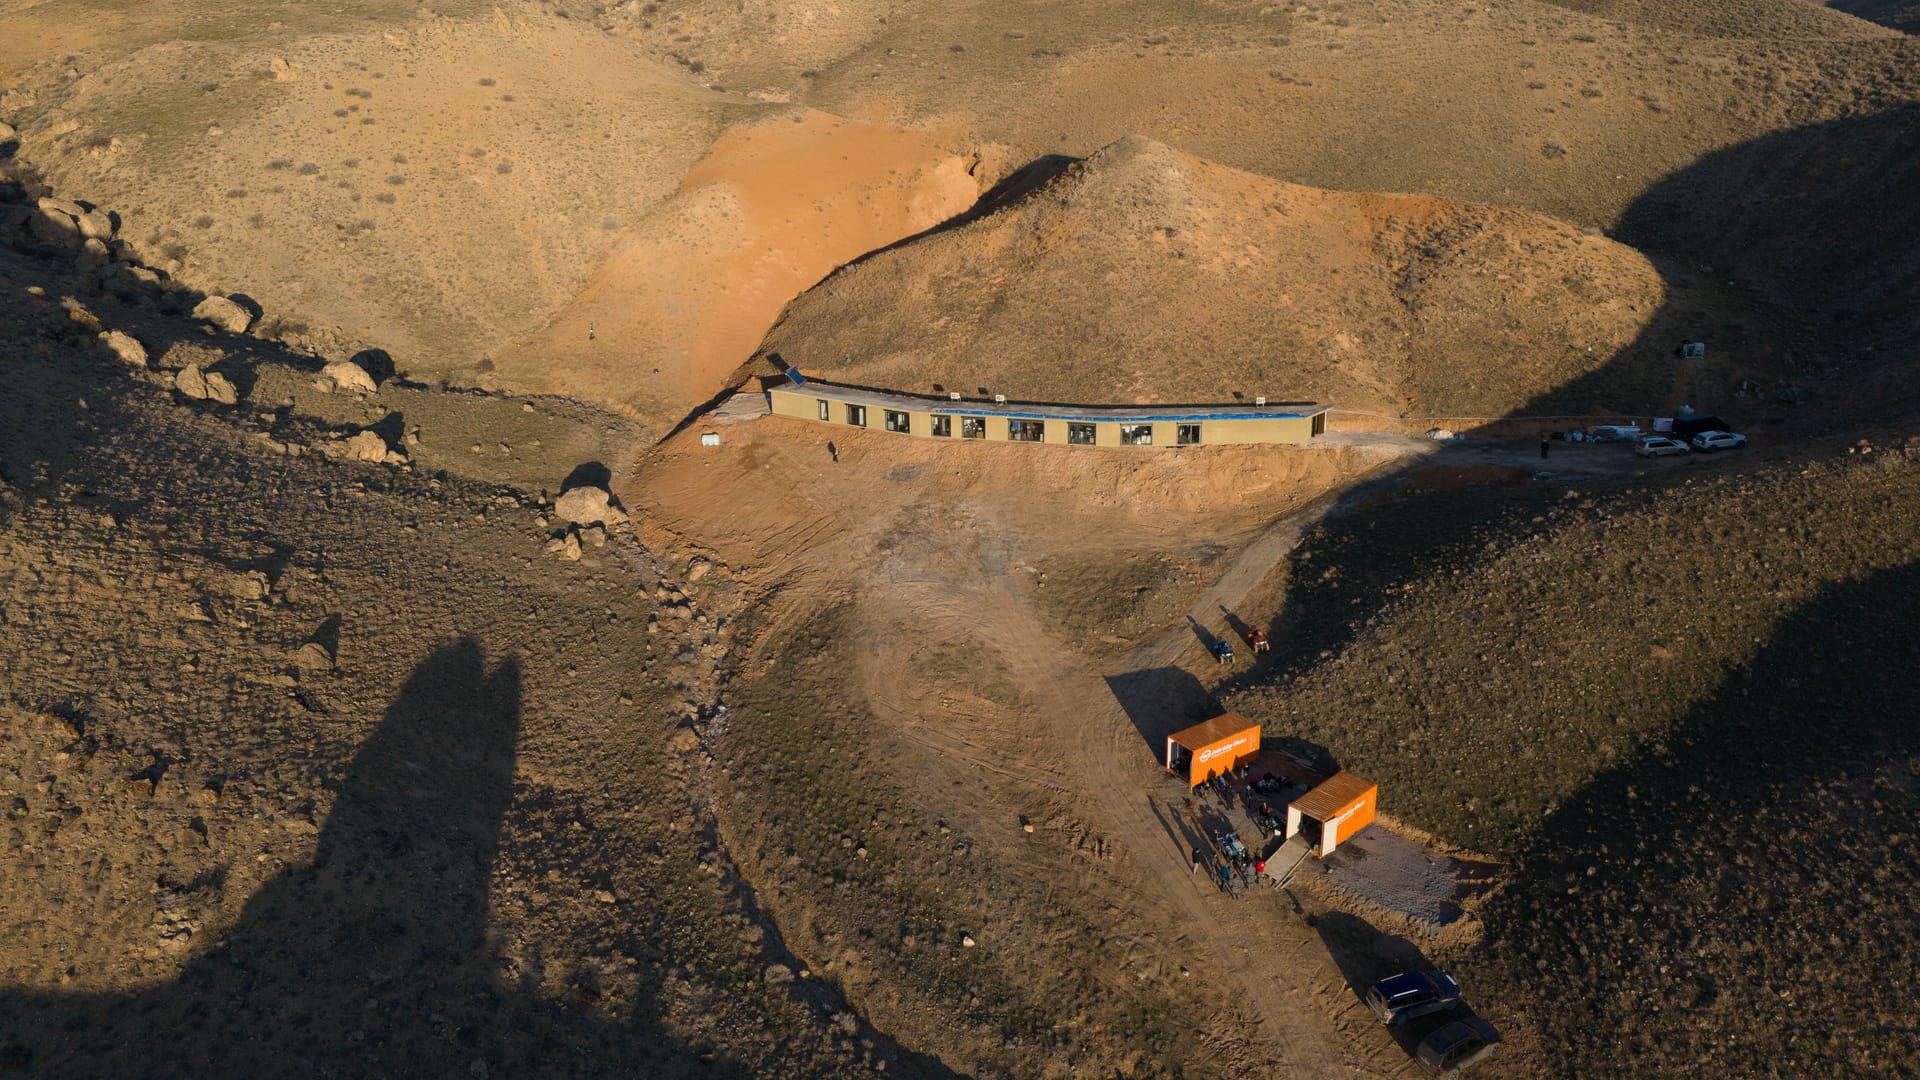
(1196, 862)
(1543, 448)
(835, 451)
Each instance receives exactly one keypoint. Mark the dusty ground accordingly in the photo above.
(331, 753)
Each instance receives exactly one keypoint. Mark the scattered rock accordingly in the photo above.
(570, 548)
(224, 314)
(313, 657)
(125, 347)
(966, 941)
(347, 375)
(594, 535)
(200, 384)
(605, 896)
(588, 506)
(363, 446)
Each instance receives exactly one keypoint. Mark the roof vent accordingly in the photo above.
(999, 399)
(1259, 401)
(953, 395)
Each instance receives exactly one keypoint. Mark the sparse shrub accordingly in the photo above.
(1553, 150)
(1585, 39)
(399, 159)
(506, 97)
(351, 163)
(477, 152)
(1589, 91)
(385, 197)
(503, 167)
(486, 82)
(1536, 86)
(608, 224)
(204, 221)
(308, 169)
(257, 221)
(396, 180)
(236, 193)
(342, 113)
(696, 66)
(280, 163)
(1156, 39)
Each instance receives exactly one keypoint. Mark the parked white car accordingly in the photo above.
(1718, 440)
(1659, 446)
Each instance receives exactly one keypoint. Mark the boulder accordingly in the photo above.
(51, 226)
(203, 385)
(312, 658)
(7, 134)
(364, 446)
(570, 550)
(588, 505)
(130, 282)
(698, 569)
(223, 313)
(125, 347)
(594, 536)
(94, 225)
(93, 256)
(347, 375)
(61, 206)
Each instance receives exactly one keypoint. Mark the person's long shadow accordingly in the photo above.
(372, 959)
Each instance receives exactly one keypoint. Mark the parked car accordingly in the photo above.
(1457, 1046)
(1659, 446)
(1414, 993)
(1718, 440)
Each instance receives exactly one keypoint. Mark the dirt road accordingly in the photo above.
(838, 534)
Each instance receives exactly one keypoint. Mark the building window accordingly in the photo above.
(823, 411)
(857, 415)
(1026, 430)
(943, 427)
(896, 420)
(1080, 434)
(1187, 434)
(1136, 434)
(973, 427)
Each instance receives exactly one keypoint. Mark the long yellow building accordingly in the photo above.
(955, 417)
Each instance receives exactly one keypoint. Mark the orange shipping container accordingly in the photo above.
(1209, 749)
(1342, 805)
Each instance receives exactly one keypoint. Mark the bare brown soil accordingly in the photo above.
(1147, 275)
(823, 768)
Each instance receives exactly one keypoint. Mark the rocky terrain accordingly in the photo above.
(396, 680)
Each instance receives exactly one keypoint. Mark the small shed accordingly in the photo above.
(1336, 809)
(1209, 749)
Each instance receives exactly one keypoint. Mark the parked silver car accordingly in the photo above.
(1718, 440)
(1659, 446)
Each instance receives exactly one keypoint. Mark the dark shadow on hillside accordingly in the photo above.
(1161, 701)
(1768, 845)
